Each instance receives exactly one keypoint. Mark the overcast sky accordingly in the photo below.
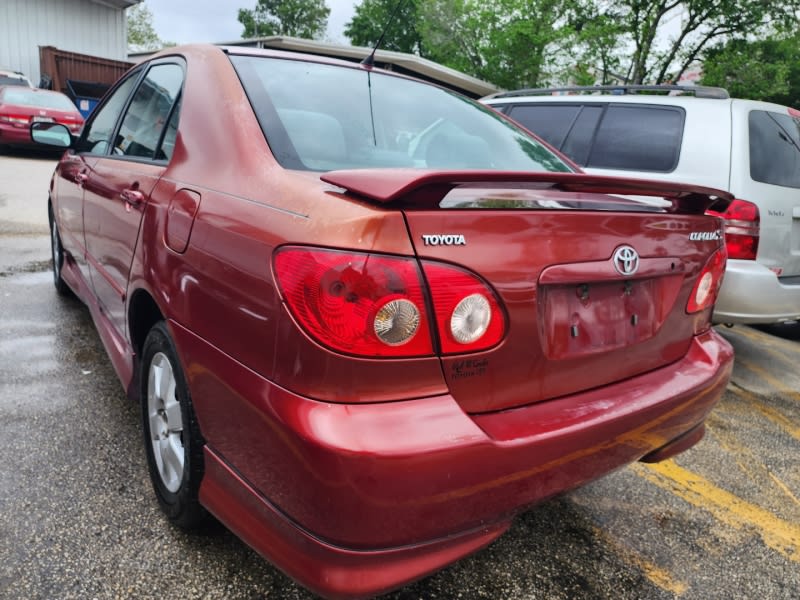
(184, 21)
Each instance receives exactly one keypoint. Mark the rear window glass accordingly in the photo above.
(551, 123)
(639, 138)
(579, 141)
(7, 80)
(324, 117)
(149, 112)
(22, 96)
(774, 148)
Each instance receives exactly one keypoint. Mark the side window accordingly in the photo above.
(774, 148)
(149, 113)
(168, 145)
(579, 140)
(549, 122)
(640, 138)
(97, 136)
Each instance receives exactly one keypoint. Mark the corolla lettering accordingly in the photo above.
(704, 236)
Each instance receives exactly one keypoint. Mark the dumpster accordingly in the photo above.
(85, 94)
(82, 77)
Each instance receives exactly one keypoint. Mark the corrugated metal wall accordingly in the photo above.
(75, 25)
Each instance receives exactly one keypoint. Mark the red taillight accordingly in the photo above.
(706, 288)
(742, 224)
(74, 124)
(375, 305)
(17, 120)
(468, 315)
(358, 303)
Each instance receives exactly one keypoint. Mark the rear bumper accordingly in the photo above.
(354, 500)
(751, 293)
(15, 136)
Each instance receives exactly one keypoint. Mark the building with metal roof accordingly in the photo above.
(94, 27)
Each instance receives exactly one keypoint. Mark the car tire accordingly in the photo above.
(172, 439)
(57, 254)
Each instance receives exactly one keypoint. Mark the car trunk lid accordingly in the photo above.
(594, 285)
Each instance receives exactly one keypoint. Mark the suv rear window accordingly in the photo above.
(774, 148)
(614, 136)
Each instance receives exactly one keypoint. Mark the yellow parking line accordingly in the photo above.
(752, 466)
(769, 412)
(657, 576)
(782, 536)
(785, 489)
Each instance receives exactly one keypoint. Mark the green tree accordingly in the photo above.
(512, 43)
(297, 18)
(371, 17)
(597, 42)
(667, 36)
(142, 36)
(767, 69)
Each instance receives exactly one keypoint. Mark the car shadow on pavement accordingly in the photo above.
(787, 331)
(31, 153)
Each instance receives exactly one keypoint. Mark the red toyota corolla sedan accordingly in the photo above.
(369, 321)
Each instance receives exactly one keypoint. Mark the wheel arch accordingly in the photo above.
(143, 313)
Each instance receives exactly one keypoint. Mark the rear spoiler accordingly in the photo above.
(419, 188)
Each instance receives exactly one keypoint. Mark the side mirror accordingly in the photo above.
(51, 134)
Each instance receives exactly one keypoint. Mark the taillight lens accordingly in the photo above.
(73, 124)
(18, 120)
(358, 303)
(375, 305)
(706, 288)
(742, 224)
(468, 315)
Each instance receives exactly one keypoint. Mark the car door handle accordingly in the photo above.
(132, 196)
(81, 178)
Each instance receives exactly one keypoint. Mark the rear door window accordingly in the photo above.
(638, 138)
(578, 144)
(628, 137)
(97, 134)
(774, 148)
(551, 123)
(149, 113)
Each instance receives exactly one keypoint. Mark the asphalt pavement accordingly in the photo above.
(78, 518)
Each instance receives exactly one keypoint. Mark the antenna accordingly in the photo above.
(369, 61)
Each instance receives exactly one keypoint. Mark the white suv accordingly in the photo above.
(749, 148)
(9, 77)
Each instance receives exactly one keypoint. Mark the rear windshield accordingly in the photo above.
(6, 80)
(326, 117)
(29, 97)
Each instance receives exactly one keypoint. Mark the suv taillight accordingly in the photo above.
(742, 224)
(376, 305)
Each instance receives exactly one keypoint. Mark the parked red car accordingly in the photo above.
(369, 320)
(20, 106)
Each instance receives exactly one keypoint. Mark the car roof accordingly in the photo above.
(201, 49)
(605, 97)
(672, 95)
(33, 90)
